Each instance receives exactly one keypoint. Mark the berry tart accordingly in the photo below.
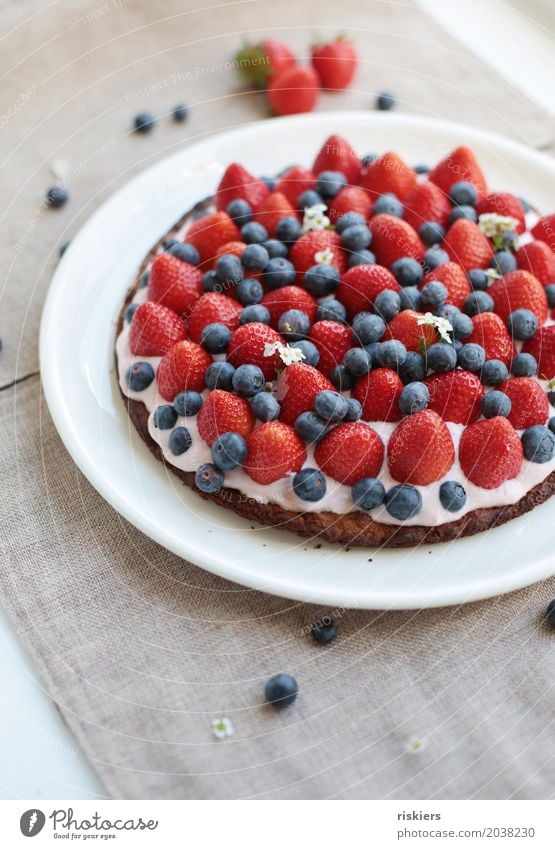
(359, 350)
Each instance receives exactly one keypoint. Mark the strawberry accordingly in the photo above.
(544, 230)
(235, 248)
(258, 63)
(537, 258)
(212, 308)
(414, 336)
(275, 208)
(335, 62)
(224, 412)
(294, 182)
(490, 452)
(459, 165)
(502, 203)
(529, 402)
(209, 233)
(361, 285)
(274, 451)
(236, 183)
(490, 332)
(182, 368)
(247, 346)
(466, 244)
(303, 253)
(350, 199)
(378, 392)
(389, 173)
(350, 452)
(542, 347)
(289, 298)
(333, 340)
(426, 202)
(455, 396)
(393, 238)
(297, 387)
(173, 283)
(420, 450)
(294, 90)
(454, 279)
(336, 154)
(154, 329)
(519, 290)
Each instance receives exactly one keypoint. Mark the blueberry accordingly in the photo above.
(509, 240)
(308, 198)
(421, 169)
(321, 280)
(414, 398)
(164, 417)
(130, 312)
(240, 211)
(210, 282)
(388, 204)
(138, 376)
(441, 357)
(457, 345)
(229, 450)
(180, 441)
(288, 229)
(434, 295)
(524, 365)
(249, 291)
(254, 312)
(330, 183)
(219, 376)
(357, 361)
(180, 113)
(275, 248)
(478, 279)
(229, 269)
(462, 325)
(271, 182)
(279, 272)
(248, 380)
(407, 271)
(187, 403)
(311, 427)
(215, 338)
(144, 122)
(551, 424)
(551, 394)
(361, 258)
(255, 257)
(354, 410)
(63, 248)
(294, 325)
(494, 372)
(550, 295)
(324, 631)
(504, 262)
(348, 220)
(373, 350)
(467, 212)
(368, 493)
(309, 485)
(550, 614)
(385, 101)
(495, 403)
(368, 328)
(452, 496)
(403, 502)
(463, 194)
(478, 302)
(310, 351)
(281, 690)
(253, 233)
(392, 354)
(265, 406)
(331, 310)
(185, 252)
(522, 324)
(357, 237)
(434, 257)
(56, 196)
(208, 478)
(330, 405)
(387, 304)
(538, 444)
(342, 379)
(411, 299)
(413, 368)
(471, 357)
(431, 233)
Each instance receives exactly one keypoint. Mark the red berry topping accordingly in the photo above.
(350, 199)
(274, 451)
(414, 336)
(542, 347)
(537, 258)
(389, 173)
(289, 298)
(298, 385)
(294, 182)
(335, 63)
(455, 396)
(426, 202)
(393, 238)
(173, 283)
(454, 279)
(502, 203)
(224, 412)
(182, 368)
(237, 183)
(275, 208)
(466, 244)
(529, 402)
(213, 308)
(361, 285)
(420, 449)
(459, 165)
(294, 90)
(350, 452)
(333, 340)
(248, 344)
(154, 330)
(490, 452)
(490, 332)
(378, 393)
(519, 290)
(336, 154)
(303, 253)
(210, 233)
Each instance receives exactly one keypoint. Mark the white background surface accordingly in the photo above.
(38, 754)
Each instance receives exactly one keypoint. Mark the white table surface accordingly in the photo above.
(39, 756)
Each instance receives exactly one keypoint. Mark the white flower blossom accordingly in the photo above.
(442, 325)
(324, 257)
(491, 224)
(315, 218)
(222, 728)
(60, 168)
(287, 354)
(414, 745)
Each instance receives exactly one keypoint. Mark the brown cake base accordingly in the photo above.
(348, 529)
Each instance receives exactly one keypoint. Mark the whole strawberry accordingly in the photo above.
(490, 452)
(209, 233)
(350, 452)
(294, 182)
(454, 279)
(248, 344)
(544, 230)
(333, 340)
(537, 258)
(293, 90)
(336, 154)
(529, 404)
(361, 285)
(490, 332)
(502, 203)
(335, 62)
(212, 308)
(276, 207)
(234, 248)
(350, 199)
(389, 173)
(297, 387)
(426, 202)
(154, 330)
(420, 449)
(259, 63)
(173, 283)
(466, 244)
(289, 298)
(455, 396)
(378, 393)
(542, 347)
(459, 165)
(303, 253)
(182, 368)
(238, 183)
(274, 451)
(519, 290)
(414, 336)
(224, 412)
(393, 238)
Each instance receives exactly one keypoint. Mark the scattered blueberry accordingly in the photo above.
(421, 169)
(130, 312)
(308, 198)
(463, 194)
(63, 248)
(414, 398)
(478, 302)
(254, 312)
(240, 211)
(311, 427)
(434, 257)
(331, 310)
(330, 183)
(274, 248)
(279, 272)
(385, 101)
(431, 233)
(538, 444)
(368, 327)
(253, 233)
(368, 493)
(265, 406)
(452, 496)
(392, 354)
(478, 279)
(354, 410)
(324, 631)
(522, 324)
(310, 351)
(180, 113)
(294, 325)
(164, 417)
(504, 262)
(288, 229)
(219, 376)
(471, 357)
(209, 478)
(495, 403)
(349, 219)
(434, 295)
(494, 372)
(144, 122)
(138, 376)
(551, 394)
(524, 365)
(57, 196)
(413, 368)
(357, 361)
(387, 304)
(342, 379)
(407, 271)
(281, 690)
(248, 380)
(361, 258)
(403, 502)
(321, 280)
(255, 257)
(550, 614)
(330, 405)
(229, 450)
(357, 237)
(388, 204)
(249, 291)
(309, 485)
(180, 441)
(187, 403)
(411, 298)
(551, 424)
(441, 357)
(185, 252)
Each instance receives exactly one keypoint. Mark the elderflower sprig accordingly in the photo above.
(287, 354)
(442, 325)
(324, 257)
(315, 218)
(222, 728)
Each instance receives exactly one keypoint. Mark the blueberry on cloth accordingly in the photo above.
(403, 502)
(208, 478)
(164, 417)
(368, 493)
(309, 485)
(180, 113)
(187, 403)
(324, 631)
(550, 614)
(452, 496)
(538, 444)
(138, 376)
(56, 196)
(144, 122)
(179, 441)
(281, 690)
(385, 101)
(229, 450)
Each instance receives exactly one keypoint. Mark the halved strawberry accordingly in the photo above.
(414, 336)
(542, 347)
(455, 396)
(336, 154)
(350, 452)
(224, 412)
(212, 308)
(490, 452)
(529, 402)
(459, 165)
(393, 238)
(502, 203)
(426, 202)
(289, 298)
(490, 332)
(294, 182)
(274, 451)
(454, 279)
(519, 290)
(361, 285)
(209, 233)
(537, 258)
(544, 230)
(466, 244)
(236, 183)
(378, 392)
(303, 253)
(248, 344)
(420, 450)
(333, 340)
(297, 387)
(173, 283)
(274, 209)
(182, 368)
(350, 199)
(154, 329)
(388, 173)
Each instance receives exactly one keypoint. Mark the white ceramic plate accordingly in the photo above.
(77, 340)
